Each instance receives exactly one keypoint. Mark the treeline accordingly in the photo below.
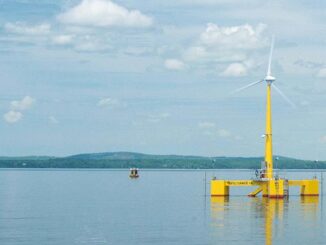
(155, 161)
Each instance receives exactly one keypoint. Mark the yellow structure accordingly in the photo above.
(308, 187)
(266, 182)
(268, 136)
(272, 188)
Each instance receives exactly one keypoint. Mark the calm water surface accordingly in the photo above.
(161, 207)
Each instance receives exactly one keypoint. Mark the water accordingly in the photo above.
(161, 207)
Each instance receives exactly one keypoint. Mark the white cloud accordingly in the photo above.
(88, 43)
(53, 120)
(235, 70)
(88, 47)
(23, 28)
(322, 73)
(235, 37)
(104, 13)
(213, 54)
(209, 129)
(304, 103)
(206, 125)
(158, 117)
(323, 139)
(224, 133)
(23, 104)
(107, 102)
(174, 64)
(13, 116)
(220, 44)
(63, 39)
(196, 52)
(238, 138)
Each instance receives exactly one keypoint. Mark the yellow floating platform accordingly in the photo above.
(274, 188)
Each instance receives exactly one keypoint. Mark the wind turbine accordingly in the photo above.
(269, 79)
(269, 185)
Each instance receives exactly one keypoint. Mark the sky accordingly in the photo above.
(156, 77)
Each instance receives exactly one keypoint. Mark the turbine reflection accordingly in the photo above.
(258, 219)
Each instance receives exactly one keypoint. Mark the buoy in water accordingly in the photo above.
(134, 173)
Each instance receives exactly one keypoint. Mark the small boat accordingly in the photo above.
(134, 173)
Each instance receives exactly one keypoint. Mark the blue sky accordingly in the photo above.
(155, 76)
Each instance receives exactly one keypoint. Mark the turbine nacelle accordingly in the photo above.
(269, 79)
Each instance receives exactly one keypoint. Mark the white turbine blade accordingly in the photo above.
(269, 70)
(245, 87)
(283, 96)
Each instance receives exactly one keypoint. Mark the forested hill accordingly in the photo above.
(129, 159)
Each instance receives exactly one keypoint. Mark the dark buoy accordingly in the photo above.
(134, 173)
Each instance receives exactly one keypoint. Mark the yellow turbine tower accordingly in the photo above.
(265, 180)
(268, 136)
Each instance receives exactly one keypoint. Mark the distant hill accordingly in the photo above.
(128, 156)
(131, 159)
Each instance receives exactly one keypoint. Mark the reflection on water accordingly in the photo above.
(267, 217)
